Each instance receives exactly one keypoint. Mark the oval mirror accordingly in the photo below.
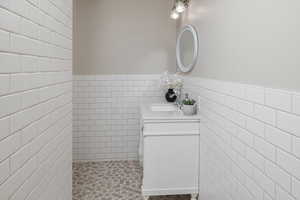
(187, 48)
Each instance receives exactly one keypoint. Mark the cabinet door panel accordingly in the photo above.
(171, 163)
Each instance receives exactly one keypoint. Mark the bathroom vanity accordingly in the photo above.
(169, 151)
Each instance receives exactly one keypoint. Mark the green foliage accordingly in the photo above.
(188, 102)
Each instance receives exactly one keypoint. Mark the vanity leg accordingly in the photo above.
(194, 196)
(146, 197)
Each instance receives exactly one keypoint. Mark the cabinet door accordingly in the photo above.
(171, 164)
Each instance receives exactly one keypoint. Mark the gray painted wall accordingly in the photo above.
(123, 37)
(255, 41)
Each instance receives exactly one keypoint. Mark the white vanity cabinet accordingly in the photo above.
(170, 153)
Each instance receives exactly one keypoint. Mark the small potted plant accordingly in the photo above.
(189, 106)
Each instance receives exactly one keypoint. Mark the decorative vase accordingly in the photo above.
(189, 109)
(170, 95)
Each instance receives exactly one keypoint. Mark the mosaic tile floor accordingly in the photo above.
(112, 180)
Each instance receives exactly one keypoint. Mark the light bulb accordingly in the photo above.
(180, 7)
(174, 14)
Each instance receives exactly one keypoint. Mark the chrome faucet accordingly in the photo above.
(178, 102)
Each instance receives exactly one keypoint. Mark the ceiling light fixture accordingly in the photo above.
(179, 7)
(174, 14)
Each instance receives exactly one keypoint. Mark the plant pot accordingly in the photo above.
(171, 96)
(189, 109)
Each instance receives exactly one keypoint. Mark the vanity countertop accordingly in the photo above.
(147, 113)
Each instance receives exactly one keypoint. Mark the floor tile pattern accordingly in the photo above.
(111, 180)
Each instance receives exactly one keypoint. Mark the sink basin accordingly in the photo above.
(163, 107)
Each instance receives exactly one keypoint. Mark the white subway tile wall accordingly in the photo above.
(106, 115)
(35, 99)
(256, 160)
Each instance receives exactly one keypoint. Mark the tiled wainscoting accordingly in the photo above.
(250, 141)
(35, 99)
(106, 115)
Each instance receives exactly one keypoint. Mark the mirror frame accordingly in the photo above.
(180, 65)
